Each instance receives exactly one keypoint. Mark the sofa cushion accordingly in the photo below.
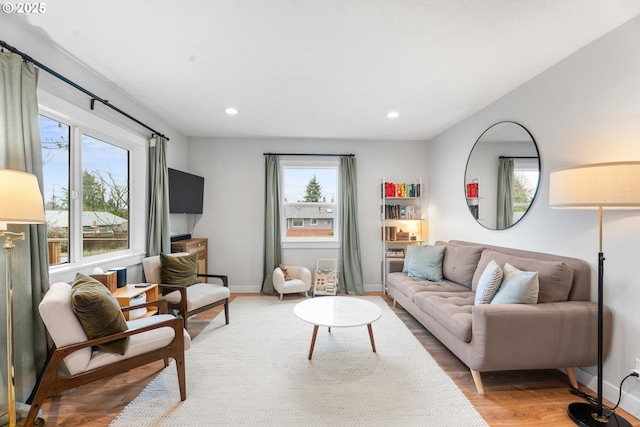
(426, 262)
(489, 283)
(141, 343)
(452, 310)
(518, 287)
(460, 263)
(409, 286)
(555, 278)
(99, 312)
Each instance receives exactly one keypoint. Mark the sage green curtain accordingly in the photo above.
(351, 265)
(20, 149)
(272, 244)
(505, 193)
(158, 229)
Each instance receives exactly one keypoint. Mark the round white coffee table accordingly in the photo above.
(337, 312)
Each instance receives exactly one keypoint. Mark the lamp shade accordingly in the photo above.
(600, 185)
(20, 198)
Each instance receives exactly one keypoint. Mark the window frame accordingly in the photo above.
(83, 122)
(303, 162)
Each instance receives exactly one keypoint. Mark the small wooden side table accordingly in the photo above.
(125, 294)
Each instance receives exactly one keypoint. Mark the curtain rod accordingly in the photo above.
(94, 98)
(518, 157)
(309, 154)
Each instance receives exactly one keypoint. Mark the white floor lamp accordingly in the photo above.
(597, 186)
(20, 203)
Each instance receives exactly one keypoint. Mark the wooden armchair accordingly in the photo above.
(74, 360)
(193, 299)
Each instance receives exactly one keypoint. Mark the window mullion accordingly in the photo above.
(75, 195)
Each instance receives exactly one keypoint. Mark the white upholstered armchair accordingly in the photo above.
(75, 359)
(193, 299)
(294, 278)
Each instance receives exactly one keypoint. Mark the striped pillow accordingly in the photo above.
(489, 283)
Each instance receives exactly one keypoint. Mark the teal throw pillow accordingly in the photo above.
(407, 258)
(489, 283)
(518, 287)
(426, 262)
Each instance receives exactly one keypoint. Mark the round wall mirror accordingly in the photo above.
(502, 175)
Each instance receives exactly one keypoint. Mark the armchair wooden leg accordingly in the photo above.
(477, 379)
(182, 381)
(226, 311)
(395, 303)
(571, 373)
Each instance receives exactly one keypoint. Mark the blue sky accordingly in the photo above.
(296, 180)
(96, 156)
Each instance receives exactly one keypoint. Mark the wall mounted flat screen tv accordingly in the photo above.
(186, 192)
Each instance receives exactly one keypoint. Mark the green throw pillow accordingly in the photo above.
(99, 312)
(178, 270)
(426, 262)
(518, 287)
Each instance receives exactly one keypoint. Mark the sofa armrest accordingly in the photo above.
(394, 265)
(537, 336)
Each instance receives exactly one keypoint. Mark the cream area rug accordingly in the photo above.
(255, 372)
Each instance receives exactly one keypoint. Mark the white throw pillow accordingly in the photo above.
(518, 287)
(489, 283)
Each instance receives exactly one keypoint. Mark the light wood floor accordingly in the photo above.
(513, 398)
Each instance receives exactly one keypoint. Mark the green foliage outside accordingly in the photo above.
(522, 192)
(313, 191)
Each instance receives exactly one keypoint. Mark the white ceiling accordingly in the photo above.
(322, 68)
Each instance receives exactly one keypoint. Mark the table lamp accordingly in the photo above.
(20, 203)
(602, 186)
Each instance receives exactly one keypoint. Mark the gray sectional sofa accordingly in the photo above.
(559, 331)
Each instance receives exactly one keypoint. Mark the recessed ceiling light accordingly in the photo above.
(231, 111)
(393, 114)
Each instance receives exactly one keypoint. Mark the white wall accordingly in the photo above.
(234, 200)
(586, 109)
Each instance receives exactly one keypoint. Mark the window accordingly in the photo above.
(89, 186)
(104, 211)
(309, 205)
(526, 174)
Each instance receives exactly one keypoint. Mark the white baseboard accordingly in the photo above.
(240, 289)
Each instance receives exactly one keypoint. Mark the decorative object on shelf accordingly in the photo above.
(121, 274)
(109, 279)
(20, 203)
(611, 186)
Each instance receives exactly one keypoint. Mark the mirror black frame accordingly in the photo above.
(468, 180)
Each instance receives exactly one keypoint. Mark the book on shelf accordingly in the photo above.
(472, 190)
(389, 232)
(395, 253)
(392, 189)
(400, 212)
(402, 235)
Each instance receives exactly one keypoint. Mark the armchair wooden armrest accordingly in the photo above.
(222, 277)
